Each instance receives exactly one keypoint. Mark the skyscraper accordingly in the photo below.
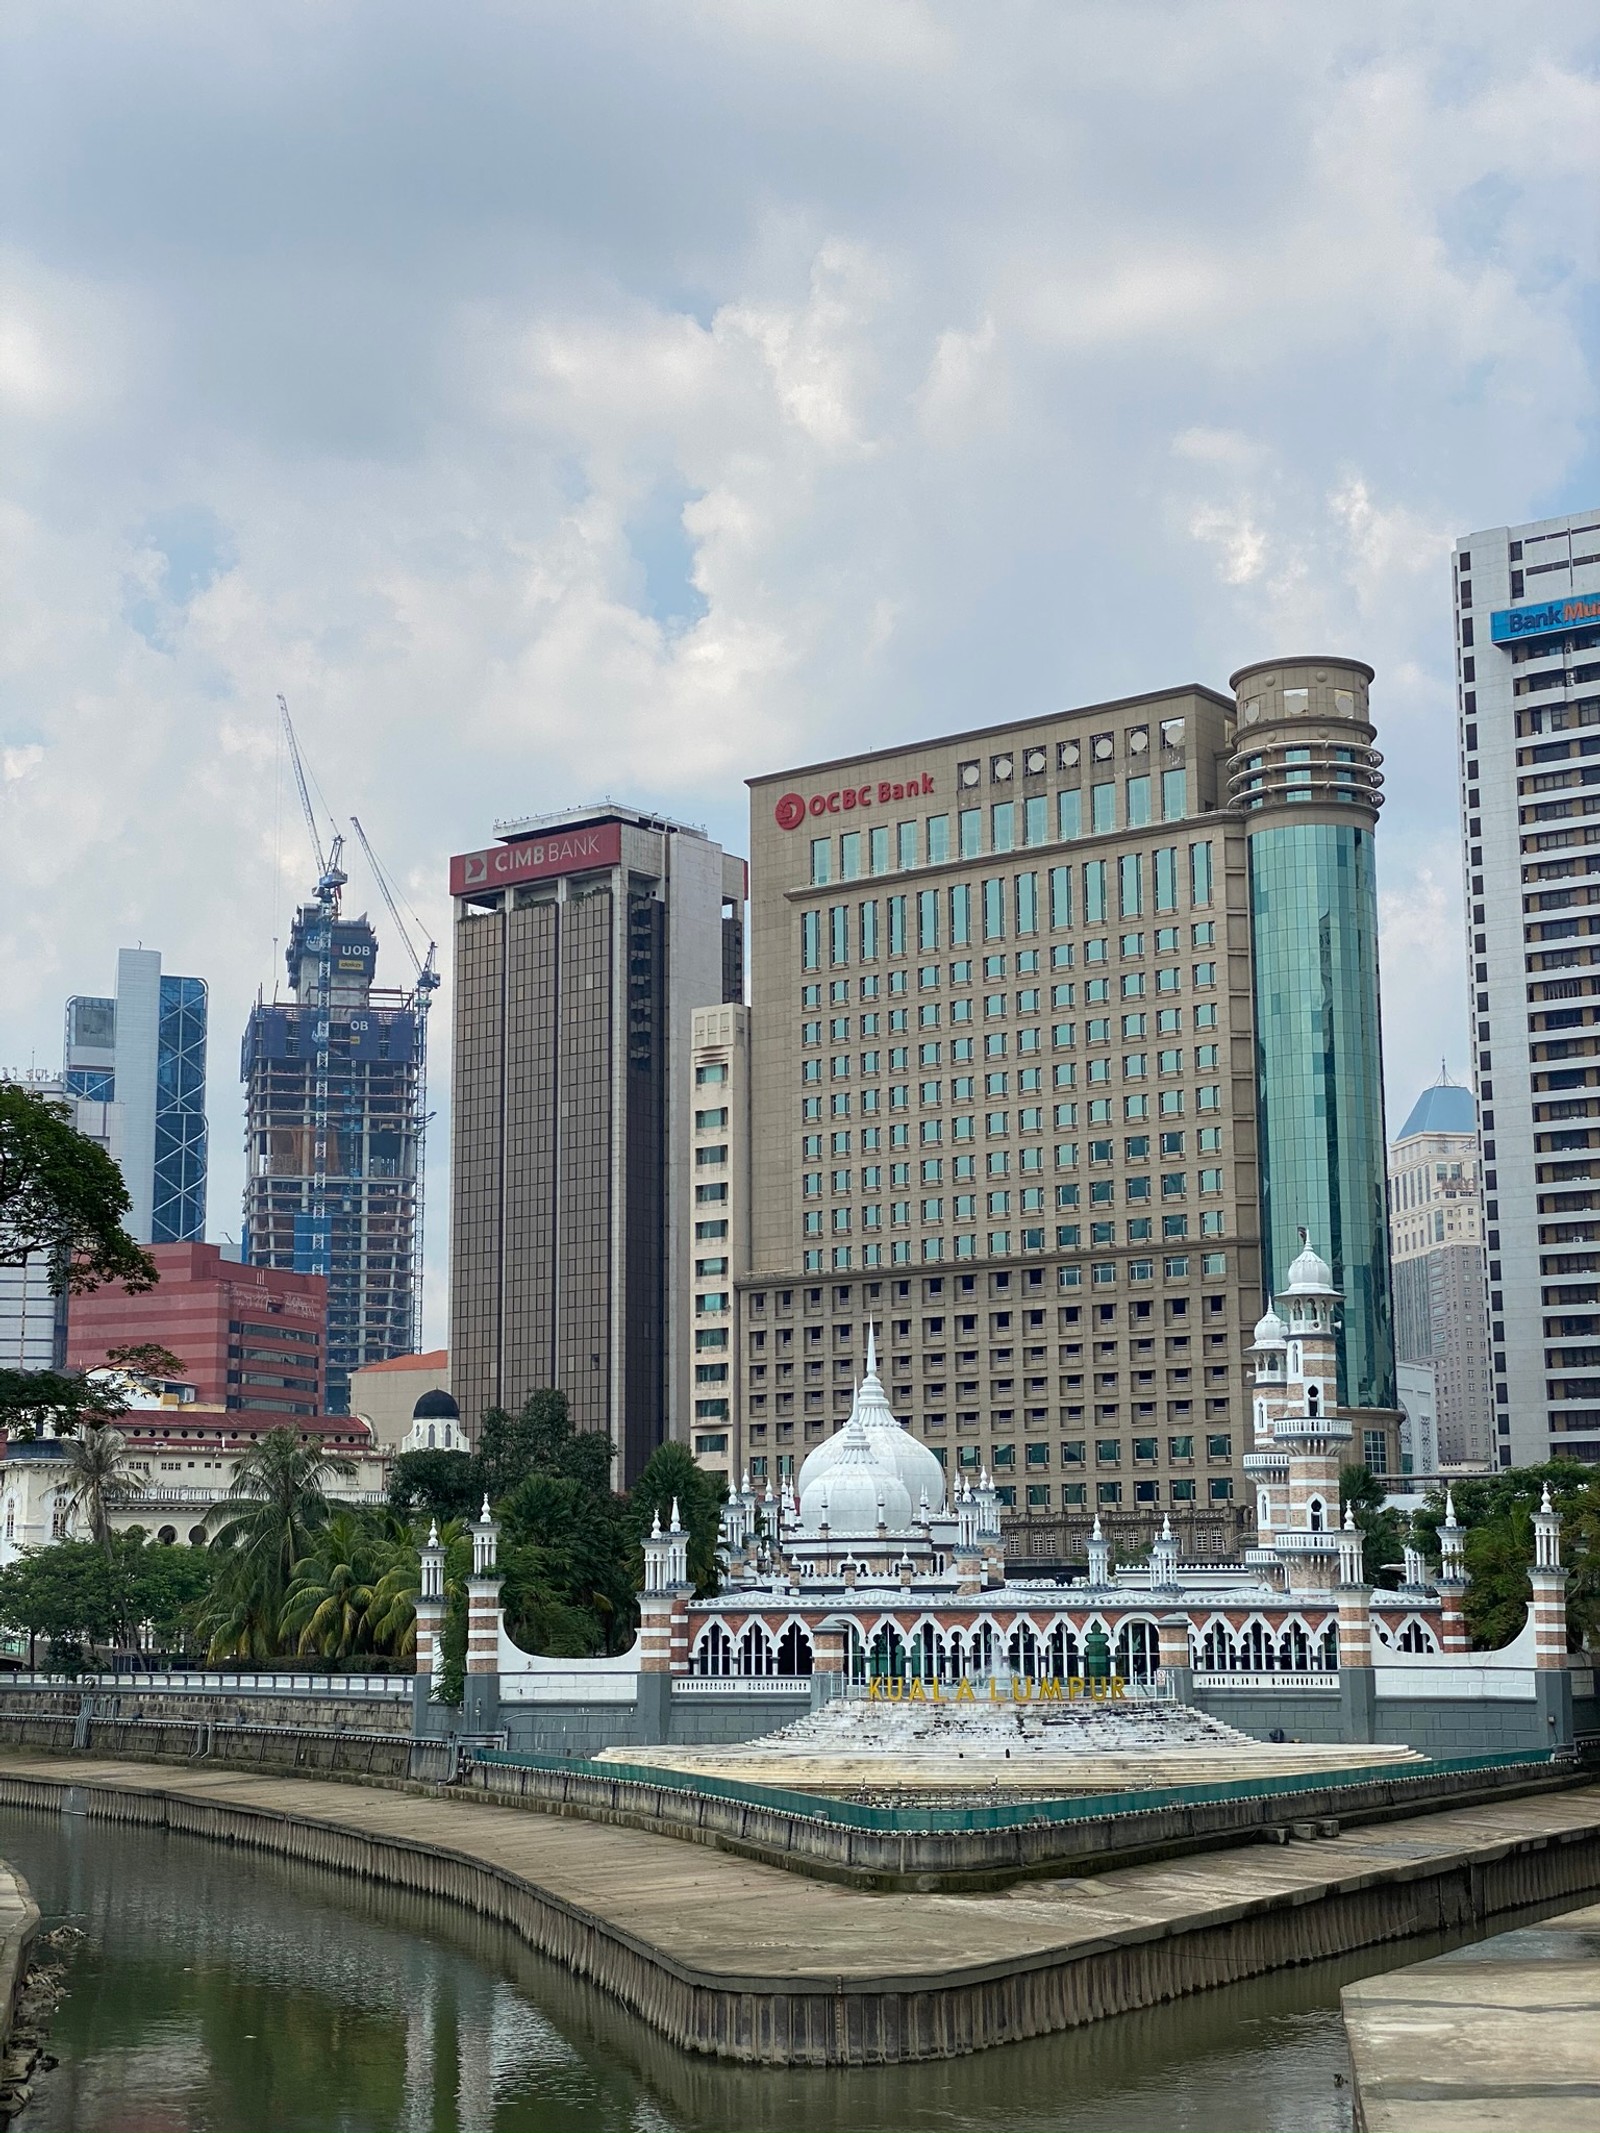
(1005, 1074)
(144, 1053)
(583, 944)
(1308, 781)
(333, 1152)
(1436, 1238)
(1527, 619)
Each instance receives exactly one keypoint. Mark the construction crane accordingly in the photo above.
(427, 984)
(330, 880)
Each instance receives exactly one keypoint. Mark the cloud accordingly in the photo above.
(555, 401)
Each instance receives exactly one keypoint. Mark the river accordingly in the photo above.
(225, 1992)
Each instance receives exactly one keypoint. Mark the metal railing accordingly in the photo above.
(258, 1684)
(1083, 1807)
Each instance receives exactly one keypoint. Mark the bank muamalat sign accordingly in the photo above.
(536, 858)
(794, 807)
(1509, 625)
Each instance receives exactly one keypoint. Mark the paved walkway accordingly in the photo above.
(733, 1922)
(1494, 2038)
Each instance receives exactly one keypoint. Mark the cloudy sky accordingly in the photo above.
(556, 400)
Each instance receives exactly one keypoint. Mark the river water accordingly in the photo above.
(225, 1992)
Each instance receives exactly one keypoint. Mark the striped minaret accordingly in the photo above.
(430, 1604)
(1452, 1583)
(1549, 1582)
(483, 1597)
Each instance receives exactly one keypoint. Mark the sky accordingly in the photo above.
(556, 401)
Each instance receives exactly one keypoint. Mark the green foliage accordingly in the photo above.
(1497, 1511)
(671, 1474)
(442, 1485)
(64, 1401)
(100, 1476)
(355, 1593)
(276, 1503)
(77, 1593)
(62, 1197)
(1383, 1533)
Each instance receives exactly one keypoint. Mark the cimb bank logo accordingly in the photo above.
(793, 808)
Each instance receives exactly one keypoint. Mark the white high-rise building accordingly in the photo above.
(1527, 612)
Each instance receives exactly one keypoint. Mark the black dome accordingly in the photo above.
(435, 1407)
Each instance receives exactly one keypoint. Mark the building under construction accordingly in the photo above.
(335, 1082)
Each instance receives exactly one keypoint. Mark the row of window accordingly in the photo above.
(1028, 963)
(997, 1164)
(1171, 1103)
(1010, 824)
(1003, 904)
(1001, 1244)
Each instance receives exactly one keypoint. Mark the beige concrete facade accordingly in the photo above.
(718, 1230)
(1003, 1104)
(1440, 1289)
(384, 1394)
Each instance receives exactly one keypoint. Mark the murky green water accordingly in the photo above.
(223, 1992)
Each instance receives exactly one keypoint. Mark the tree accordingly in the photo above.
(1497, 1512)
(671, 1473)
(445, 1485)
(356, 1592)
(62, 1199)
(63, 1401)
(1383, 1533)
(565, 1584)
(276, 1503)
(100, 1476)
(78, 1594)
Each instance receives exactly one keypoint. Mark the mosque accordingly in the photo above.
(867, 1568)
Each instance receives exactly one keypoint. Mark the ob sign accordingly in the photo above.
(794, 808)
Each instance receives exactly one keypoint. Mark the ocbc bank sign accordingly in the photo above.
(794, 808)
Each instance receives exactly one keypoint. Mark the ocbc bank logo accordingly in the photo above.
(792, 809)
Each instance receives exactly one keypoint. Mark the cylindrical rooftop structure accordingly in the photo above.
(1308, 782)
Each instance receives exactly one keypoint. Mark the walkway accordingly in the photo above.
(1494, 2038)
(741, 1959)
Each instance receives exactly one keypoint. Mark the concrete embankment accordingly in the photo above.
(1496, 2037)
(19, 1922)
(737, 1959)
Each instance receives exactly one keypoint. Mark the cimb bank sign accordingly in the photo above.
(502, 866)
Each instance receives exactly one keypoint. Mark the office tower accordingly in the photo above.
(583, 942)
(1308, 782)
(33, 1318)
(1004, 1101)
(334, 1080)
(719, 1093)
(1527, 615)
(144, 1052)
(250, 1339)
(1436, 1240)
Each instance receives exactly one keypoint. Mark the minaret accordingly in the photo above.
(1099, 1556)
(482, 1713)
(430, 1623)
(1552, 1677)
(1311, 1433)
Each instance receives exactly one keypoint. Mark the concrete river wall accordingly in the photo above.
(743, 1961)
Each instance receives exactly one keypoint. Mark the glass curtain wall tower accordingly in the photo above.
(1308, 780)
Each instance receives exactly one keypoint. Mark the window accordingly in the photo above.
(1375, 1451)
(704, 1075)
(1102, 808)
(938, 838)
(1002, 826)
(1173, 795)
(1137, 800)
(1200, 875)
(1108, 1492)
(1094, 893)
(821, 861)
(1069, 814)
(850, 855)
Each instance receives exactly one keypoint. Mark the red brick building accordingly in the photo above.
(252, 1341)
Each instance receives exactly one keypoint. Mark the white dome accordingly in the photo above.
(894, 1448)
(1271, 1332)
(1310, 1275)
(855, 1490)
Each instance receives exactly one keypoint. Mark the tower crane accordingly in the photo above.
(330, 879)
(427, 984)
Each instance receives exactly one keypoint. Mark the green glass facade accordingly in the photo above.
(1319, 1069)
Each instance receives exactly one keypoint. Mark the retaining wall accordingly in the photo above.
(882, 2018)
(19, 1922)
(364, 1714)
(285, 1750)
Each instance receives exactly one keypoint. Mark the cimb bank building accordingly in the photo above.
(584, 942)
(1059, 1031)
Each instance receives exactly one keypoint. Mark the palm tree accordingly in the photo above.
(328, 1607)
(277, 1503)
(100, 1475)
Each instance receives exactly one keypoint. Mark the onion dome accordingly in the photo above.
(895, 1449)
(1271, 1332)
(855, 1491)
(1310, 1275)
(436, 1406)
